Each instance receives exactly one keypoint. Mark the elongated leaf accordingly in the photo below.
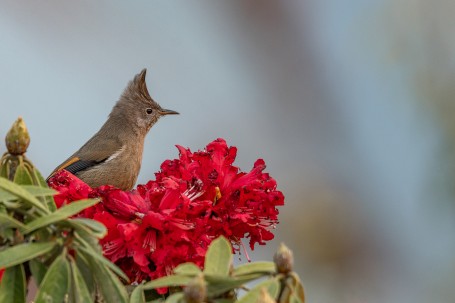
(22, 193)
(12, 285)
(292, 289)
(39, 178)
(86, 273)
(176, 298)
(22, 175)
(55, 285)
(109, 286)
(218, 285)
(4, 169)
(7, 233)
(93, 227)
(6, 196)
(90, 253)
(39, 191)
(42, 194)
(81, 293)
(167, 281)
(8, 221)
(84, 234)
(271, 285)
(23, 252)
(60, 214)
(42, 182)
(137, 296)
(188, 268)
(218, 258)
(256, 267)
(12, 205)
(38, 270)
(33, 190)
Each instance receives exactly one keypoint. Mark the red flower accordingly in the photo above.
(173, 219)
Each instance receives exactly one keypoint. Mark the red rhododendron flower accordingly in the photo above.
(173, 219)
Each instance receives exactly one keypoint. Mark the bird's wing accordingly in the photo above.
(88, 157)
(75, 165)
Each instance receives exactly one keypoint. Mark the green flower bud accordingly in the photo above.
(196, 290)
(284, 259)
(17, 139)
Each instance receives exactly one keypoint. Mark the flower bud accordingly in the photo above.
(284, 260)
(264, 296)
(196, 290)
(17, 139)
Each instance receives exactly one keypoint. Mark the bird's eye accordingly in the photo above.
(149, 111)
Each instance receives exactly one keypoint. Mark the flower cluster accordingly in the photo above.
(173, 219)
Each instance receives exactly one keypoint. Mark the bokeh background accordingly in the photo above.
(351, 104)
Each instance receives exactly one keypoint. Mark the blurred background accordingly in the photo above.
(350, 103)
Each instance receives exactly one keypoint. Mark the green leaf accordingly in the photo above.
(23, 252)
(34, 190)
(84, 234)
(167, 281)
(7, 233)
(218, 285)
(90, 253)
(255, 267)
(12, 205)
(22, 193)
(38, 270)
(295, 299)
(60, 214)
(293, 289)
(8, 221)
(189, 269)
(4, 168)
(218, 258)
(93, 227)
(39, 191)
(137, 296)
(42, 182)
(55, 285)
(86, 273)
(22, 175)
(81, 293)
(109, 286)
(39, 178)
(176, 298)
(6, 196)
(272, 286)
(12, 286)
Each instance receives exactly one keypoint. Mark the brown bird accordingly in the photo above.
(114, 154)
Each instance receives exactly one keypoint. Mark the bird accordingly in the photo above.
(113, 155)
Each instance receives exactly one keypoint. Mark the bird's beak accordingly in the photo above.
(168, 112)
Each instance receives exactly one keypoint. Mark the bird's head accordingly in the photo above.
(137, 107)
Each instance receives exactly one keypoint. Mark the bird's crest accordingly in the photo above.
(138, 88)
